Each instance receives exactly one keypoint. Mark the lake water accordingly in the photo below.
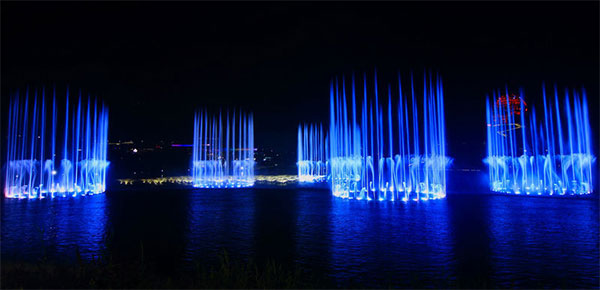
(465, 239)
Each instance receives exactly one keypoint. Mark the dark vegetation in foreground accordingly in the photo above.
(225, 274)
(140, 271)
(141, 275)
(138, 274)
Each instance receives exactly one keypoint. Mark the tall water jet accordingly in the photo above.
(533, 157)
(223, 151)
(395, 151)
(43, 163)
(312, 152)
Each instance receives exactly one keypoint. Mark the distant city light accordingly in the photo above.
(263, 179)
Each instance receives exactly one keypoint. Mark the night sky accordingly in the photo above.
(155, 63)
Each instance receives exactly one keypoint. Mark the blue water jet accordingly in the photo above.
(223, 151)
(526, 156)
(38, 165)
(312, 152)
(395, 151)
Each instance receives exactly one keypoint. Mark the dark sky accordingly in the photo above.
(154, 63)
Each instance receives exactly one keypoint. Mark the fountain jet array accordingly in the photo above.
(390, 152)
(223, 151)
(312, 152)
(41, 162)
(551, 157)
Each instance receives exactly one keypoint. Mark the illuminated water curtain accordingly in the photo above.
(223, 151)
(390, 151)
(526, 156)
(52, 153)
(312, 152)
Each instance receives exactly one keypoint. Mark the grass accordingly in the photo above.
(140, 274)
(104, 272)
(225, 273)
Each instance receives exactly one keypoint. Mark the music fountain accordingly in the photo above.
(390, 147)
(532, 157)
(223, 150)
(50, 153)
(312, 152)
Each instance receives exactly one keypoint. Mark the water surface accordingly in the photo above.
(463, 240)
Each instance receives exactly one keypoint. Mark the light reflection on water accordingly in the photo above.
(32, 229)
(463, 240)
